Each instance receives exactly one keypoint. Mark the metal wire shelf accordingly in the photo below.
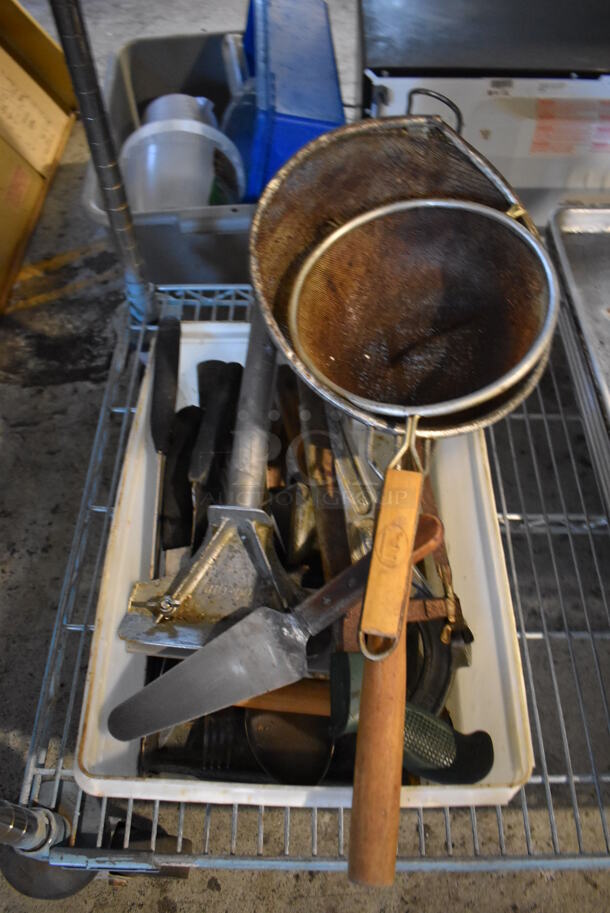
(555, 532)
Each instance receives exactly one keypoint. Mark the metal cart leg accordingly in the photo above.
(26, 836)
(30, 829)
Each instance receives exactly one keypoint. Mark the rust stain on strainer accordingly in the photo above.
(422, 306)
(348, 172)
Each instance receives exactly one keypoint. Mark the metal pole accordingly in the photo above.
(30, 828)
(248, 468)
(73, 36)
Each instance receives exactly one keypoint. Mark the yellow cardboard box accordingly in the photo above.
(36, 114)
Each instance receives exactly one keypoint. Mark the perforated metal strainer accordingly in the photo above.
(348, 174)
(424, 307)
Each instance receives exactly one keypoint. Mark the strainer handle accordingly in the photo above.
(375, 817)
(379, 746)
(430, 93)
(384, 601)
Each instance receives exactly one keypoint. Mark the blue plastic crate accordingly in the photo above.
(296, 96)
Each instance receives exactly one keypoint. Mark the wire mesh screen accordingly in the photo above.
(448, 324)
(557, 545)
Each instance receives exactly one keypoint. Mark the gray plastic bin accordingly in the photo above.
(205, 245)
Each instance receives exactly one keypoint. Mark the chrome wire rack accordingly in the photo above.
(555, 532)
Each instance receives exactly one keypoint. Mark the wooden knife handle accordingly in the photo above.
(309, 696)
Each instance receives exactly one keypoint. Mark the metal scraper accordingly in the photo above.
(263, 651)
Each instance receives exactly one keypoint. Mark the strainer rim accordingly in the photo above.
(445, 407)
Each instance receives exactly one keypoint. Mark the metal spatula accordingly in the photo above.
(264, 651)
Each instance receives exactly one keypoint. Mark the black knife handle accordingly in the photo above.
(165, 382)
(219, 383)
(177, 503)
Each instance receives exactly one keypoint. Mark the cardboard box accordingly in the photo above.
(37, 108)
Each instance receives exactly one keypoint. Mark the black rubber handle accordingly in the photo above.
(436, 751)
(165, 382)
(219, 383)
(177, 507)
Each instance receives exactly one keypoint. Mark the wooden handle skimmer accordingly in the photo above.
(375, 814)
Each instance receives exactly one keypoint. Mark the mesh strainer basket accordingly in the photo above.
(507, 289)
(426, 307)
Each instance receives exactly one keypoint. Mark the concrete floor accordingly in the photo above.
(53, 364)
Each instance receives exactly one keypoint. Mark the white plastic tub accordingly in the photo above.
(489, 695)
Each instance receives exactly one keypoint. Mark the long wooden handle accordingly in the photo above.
(428, 538)
(375, 814)
(384, 600)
